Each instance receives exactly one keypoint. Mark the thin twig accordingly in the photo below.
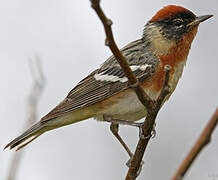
(152, 106)
(32, 102)
(202, 141)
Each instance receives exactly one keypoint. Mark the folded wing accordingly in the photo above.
(108, 80)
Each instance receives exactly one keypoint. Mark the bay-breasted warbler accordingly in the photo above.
(166, 40)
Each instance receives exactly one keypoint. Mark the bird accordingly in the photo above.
(166, 40)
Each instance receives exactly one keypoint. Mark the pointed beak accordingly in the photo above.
(199, 20)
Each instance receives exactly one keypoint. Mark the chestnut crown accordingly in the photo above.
(174, 21)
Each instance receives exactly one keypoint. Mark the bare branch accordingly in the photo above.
(32, 102)
(152, 106)
(202, 141)
(143, 97)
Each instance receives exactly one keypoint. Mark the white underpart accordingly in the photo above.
(112, 78)
(127, 108)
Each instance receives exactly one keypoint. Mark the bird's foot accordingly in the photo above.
(142, 134)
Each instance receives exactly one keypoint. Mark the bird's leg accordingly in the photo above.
(114, 127)
(108, 118)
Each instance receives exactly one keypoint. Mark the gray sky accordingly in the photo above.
(69, 38)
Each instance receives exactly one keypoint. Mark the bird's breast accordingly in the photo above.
(154, 85)
(176, 57)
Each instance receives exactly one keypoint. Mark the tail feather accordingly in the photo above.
(29, 135)
(21, 146)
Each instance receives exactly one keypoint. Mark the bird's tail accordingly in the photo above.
(28, 136)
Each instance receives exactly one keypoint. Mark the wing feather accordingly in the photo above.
(112, 80)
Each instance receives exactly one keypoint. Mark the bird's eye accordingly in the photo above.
(177, 22)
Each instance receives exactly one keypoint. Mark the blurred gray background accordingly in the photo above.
(69, 38)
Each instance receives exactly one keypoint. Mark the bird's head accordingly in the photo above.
(169, 26)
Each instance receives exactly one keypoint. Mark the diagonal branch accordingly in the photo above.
(143, 97)
(202, 141)
(152, 106)
(32, 102)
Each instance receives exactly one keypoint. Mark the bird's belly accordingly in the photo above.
(123, 106)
